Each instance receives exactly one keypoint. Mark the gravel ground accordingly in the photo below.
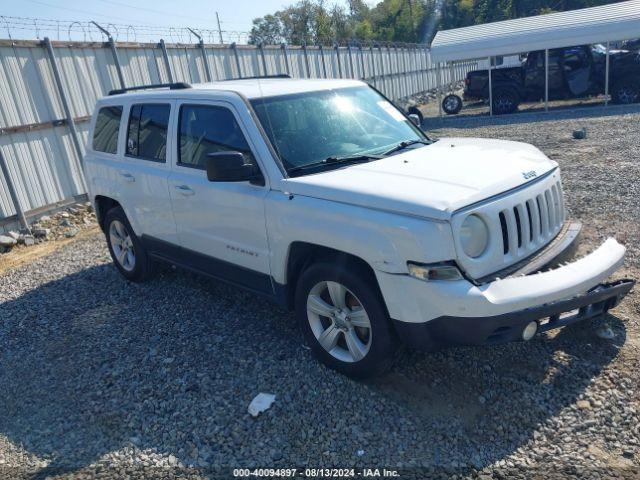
(103, 378)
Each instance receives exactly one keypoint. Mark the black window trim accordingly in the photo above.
(93, 133)
(178, 133)
(126, 142)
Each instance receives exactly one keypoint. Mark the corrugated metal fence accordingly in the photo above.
(48, 90)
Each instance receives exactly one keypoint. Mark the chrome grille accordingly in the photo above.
(530, 224)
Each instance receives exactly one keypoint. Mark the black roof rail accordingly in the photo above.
(170, 86)
(279, 75)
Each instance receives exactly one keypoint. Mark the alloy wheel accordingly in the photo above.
(122, 245)
(451, 104)
(339, 321)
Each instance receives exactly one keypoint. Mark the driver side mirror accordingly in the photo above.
(230, 167)
(415, 119)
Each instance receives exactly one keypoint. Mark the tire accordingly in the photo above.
(505, 100)
(626, 91)
(359, 350)
(452, 104)
(127, 252)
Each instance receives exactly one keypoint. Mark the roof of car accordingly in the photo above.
(254, 87)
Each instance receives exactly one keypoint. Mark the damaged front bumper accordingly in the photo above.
(462, 313)
(510, 327)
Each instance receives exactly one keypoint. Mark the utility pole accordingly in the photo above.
(219, 29)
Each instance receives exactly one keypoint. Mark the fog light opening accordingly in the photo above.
(529, 331)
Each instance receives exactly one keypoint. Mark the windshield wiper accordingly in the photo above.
(336, 160)
(405, 144)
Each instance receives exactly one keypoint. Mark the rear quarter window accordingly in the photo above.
(105, 132)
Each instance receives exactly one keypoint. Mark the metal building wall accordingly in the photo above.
(35, 137)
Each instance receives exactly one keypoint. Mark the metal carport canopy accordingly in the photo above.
(616, 21)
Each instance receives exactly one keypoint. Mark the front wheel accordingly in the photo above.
(344, 320)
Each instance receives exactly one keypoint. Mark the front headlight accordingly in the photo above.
(474, 236)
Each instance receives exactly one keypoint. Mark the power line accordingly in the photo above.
(76, 10)
(151, 10)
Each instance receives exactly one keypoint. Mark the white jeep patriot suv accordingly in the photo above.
(323, 196)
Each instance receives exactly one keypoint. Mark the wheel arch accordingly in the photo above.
(507, 85)
(303, 254)
(102, 205)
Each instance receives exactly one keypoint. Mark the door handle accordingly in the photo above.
(128, 177)
(185, 190)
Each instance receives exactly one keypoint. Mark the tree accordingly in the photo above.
(323, 31)
(364, 31)
(397, 20)
(458, 14)
(267, 29)
(341, 24)
(298, 22)
(293, 24)
(312, 21)
(461, 13)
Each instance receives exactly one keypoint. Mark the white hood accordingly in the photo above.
(432, 181)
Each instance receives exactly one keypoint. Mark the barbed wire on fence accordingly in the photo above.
(28, 27)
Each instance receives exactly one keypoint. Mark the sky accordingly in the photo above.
(235, 15)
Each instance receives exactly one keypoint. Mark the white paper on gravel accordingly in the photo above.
(260, 403)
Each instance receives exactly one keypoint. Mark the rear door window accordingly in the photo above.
(105, 132)
(205, 129)
(147, 132)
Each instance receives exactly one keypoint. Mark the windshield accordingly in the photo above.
(310, 127)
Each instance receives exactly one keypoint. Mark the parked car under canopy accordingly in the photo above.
(603, 24)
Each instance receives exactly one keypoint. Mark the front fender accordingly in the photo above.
(385, 241)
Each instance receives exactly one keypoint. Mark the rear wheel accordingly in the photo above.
(127, 252)
(627, 91)
(505, 100)
(344, 320)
